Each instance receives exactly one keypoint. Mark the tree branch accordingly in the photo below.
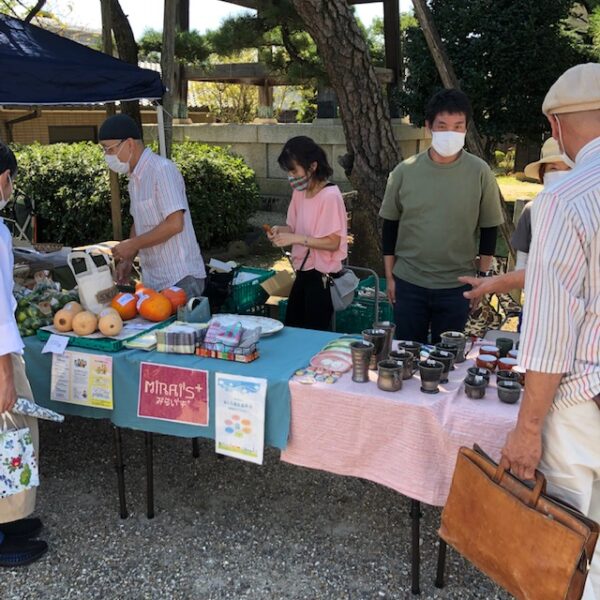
(34, 11)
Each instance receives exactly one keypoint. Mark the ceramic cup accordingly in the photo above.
(521, 372)
(447, 347)
(459, 340)
(505, 345)
(507, 364)
(479, 372)
(389, 376)
(414, 347)
(475, 387)
(408, 362)
(513, 354)
(509, 391)
(446, 358)
(431, 375)
(486, 361)
(503, 375)
(390, 330)
(377, 337)
(361, 352)
(490, 349)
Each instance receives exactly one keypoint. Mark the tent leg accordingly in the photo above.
(161, 130)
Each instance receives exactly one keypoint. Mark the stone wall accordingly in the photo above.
(260, 145)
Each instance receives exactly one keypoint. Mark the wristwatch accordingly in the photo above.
(484, 273)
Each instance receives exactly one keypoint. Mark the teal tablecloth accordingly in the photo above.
(280, 356)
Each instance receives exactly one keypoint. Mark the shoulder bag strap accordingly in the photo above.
(304, 261)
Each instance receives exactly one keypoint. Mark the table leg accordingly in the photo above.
(120, 469)
(195, 447)
(149, 439)
(415, 515)
(441, 564)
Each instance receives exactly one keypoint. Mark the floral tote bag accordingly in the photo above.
(18, 463)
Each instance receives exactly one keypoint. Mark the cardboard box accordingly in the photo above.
(272, 305)
(279, 285)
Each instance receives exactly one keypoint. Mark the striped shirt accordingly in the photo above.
(157, 190)
(10, 340)
(561, 327)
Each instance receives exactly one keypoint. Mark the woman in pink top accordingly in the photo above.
(316, 229)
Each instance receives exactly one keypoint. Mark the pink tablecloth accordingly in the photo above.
(405, 440)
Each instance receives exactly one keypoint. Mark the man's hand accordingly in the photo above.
(8, 393)
(123, 271)
(391, 289)
(522, 451)
(126, 250)
(482, 286)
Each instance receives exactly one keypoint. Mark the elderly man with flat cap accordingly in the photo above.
(559, 421)
(162, 232)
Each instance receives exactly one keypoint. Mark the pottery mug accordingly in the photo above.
(487, 361)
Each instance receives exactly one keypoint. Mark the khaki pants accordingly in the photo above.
(22, 504)
(571, 464)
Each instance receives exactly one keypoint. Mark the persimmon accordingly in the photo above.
(125, 305)
(176, 296)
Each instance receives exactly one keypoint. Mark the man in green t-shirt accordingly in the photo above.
(441, 213)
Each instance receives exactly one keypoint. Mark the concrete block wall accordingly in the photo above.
(260, 145)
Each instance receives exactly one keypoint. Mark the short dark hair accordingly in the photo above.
(304, 151)
(8, 160)
(451, 101)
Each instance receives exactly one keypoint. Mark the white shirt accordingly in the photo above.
(157, 190)
(10, 340)
(561, 324)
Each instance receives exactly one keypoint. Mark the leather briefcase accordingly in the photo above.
(534, 546)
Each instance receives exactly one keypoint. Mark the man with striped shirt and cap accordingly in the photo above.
(162, 232)
(559, 421)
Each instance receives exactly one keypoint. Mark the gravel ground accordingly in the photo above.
(223, 529)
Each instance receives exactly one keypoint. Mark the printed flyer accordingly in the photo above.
(240, 416)
(84, 379)
(173, 394)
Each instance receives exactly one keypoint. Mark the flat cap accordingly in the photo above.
(576, 90)
(119, 127)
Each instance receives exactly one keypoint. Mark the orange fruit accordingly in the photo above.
(125, 305)
(176, 296)
(154, 307)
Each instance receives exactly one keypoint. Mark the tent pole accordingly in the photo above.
(161, 130)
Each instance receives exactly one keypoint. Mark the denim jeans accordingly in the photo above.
(419, 309)
(192, 286)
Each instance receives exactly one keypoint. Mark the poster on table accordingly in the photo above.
(173, 394)
(84, 379)
(240, 416)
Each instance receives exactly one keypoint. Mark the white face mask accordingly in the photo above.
(447, 143)
(566, 159)
(4, 201)
(552, 177)
(116, 165)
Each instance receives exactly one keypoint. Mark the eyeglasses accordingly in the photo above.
(107, 149)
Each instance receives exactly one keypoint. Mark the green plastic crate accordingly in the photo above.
(248, 295)
(360, 314)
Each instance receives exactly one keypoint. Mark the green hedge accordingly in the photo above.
(70, 186)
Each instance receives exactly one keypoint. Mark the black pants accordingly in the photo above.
(309, 304)
(418, 308)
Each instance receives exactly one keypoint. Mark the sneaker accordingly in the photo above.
(18, 553)
(21, 529)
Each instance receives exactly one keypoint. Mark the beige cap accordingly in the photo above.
(576, 90)
(550, 153)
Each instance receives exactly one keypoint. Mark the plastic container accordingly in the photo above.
(95, 282)
(248, 295)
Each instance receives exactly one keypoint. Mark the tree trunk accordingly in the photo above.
(128, 51)
(167, 66)
(115, 192)
(450, 80)
(34, 11)
(372, 148)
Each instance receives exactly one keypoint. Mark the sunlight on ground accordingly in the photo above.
(513, 189)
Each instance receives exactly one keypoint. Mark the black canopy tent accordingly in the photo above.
(40, 68)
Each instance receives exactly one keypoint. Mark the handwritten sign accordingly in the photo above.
(57, 344)
(80, 378)
(173, 394)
